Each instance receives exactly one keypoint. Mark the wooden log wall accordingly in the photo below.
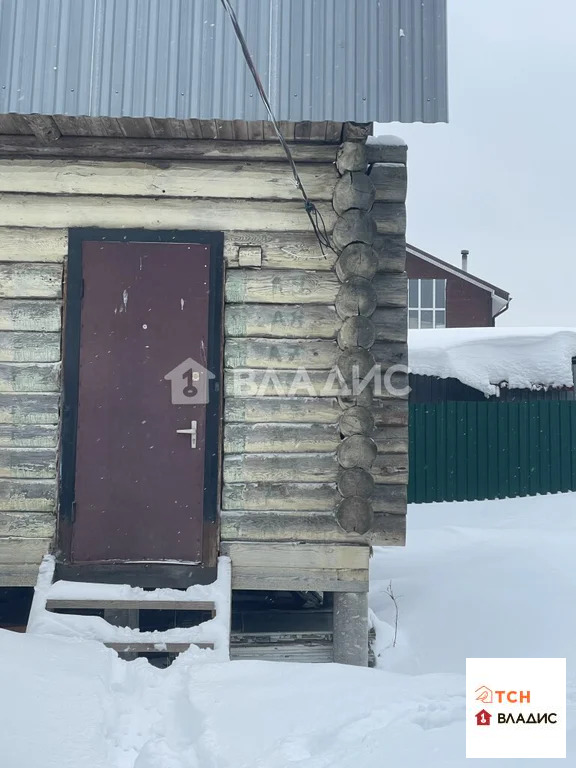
(367, 455)
(301, 463)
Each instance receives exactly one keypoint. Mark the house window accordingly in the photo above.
(427, 303)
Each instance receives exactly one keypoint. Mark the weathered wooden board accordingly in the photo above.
(28, 435)
(28, 495)
(19, 575)
(277, 286)
(55, 212)
(139, 647)
(390, 218)
(301, 250)
(29, 408)
(390, 468)
(250, 256)
(389, 530)
(390, 353)
(300, 580)
(281, 321)
(306, 410)
(32, 244)
(76, 146)
(281, 286)
(390, 412)
(280, 496)
(386, 153)
(391, 250)
(390, 181)
(391, 439)
(19, 551)
(306, 526)
(25, 347)
(281, 438)
(351, 628)
(27, 525)
(250, 382)
(27, 462)
(14, 124)
(281, 250)
(297, 556)
(30, 315)
(308, 653)
(391, 324)
(44, 127)
(281, 353)
(27, 280)
(391, 290)
(262, 468)
(394, 386)
(130, 605)
(216, 179)
(29, 377)
(390, 499)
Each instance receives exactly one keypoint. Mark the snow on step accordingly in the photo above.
(210, 638)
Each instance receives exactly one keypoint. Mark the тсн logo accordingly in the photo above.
(488, 696)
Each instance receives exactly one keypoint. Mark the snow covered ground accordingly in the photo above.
(476, 579)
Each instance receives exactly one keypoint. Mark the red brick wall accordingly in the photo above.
(467, 305)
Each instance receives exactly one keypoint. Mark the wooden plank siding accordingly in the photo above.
(280, 473)
(31, 273)
(298, 566)
(202, 179)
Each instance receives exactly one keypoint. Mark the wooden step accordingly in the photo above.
(320, 653)
(304, 646)
(131, 604)
(159, 647)
(58, 609)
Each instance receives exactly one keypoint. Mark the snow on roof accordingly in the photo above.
(488, 358)
(385, 141)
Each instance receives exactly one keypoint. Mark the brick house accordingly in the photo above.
(442, 295)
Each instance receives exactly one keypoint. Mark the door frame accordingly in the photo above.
(139, 574)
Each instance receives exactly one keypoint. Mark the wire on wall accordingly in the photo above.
(314, 214)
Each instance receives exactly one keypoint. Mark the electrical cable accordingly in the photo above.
(316, 220)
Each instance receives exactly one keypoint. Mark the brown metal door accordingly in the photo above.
(139, 483)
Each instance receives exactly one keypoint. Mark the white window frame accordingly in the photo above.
(419, 308)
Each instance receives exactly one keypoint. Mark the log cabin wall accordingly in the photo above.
(305, 477)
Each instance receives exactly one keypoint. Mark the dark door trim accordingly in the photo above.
(146, 575)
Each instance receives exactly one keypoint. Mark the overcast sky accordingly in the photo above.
(500, 178)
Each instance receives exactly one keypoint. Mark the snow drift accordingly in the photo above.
(476, 579)
(489, 358)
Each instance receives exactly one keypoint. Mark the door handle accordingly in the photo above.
(192, 432)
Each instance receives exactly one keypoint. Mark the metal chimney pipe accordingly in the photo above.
(465, 260)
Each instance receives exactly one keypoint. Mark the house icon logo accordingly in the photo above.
(483, 717)
(484, 694)
(189, 383)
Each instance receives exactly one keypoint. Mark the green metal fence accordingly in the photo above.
(490, 450)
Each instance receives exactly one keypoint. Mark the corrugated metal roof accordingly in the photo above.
(361, 60)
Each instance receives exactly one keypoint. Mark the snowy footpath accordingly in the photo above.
(476, 579)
